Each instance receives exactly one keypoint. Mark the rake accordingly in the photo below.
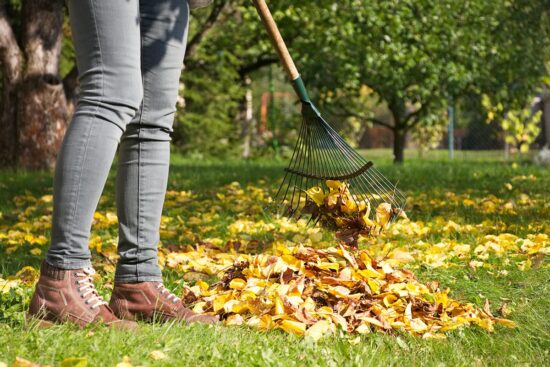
(321, 154)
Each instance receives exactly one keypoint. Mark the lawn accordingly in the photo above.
(477, 225)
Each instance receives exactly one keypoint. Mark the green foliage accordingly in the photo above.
(12, 300)
(428, 135)
(206, 125)
(214, 80)
(68, 57)
(413, 54)
(410, 54)
(520, 127)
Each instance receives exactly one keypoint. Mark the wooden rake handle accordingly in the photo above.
(277, 39)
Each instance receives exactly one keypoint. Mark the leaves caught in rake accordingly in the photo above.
(334, 185)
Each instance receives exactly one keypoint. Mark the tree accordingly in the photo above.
(220, 74)
(34, 107)
(415, 53)
(520, 127)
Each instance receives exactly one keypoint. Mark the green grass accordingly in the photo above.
(527, 292)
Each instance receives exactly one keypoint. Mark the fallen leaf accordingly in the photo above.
(158, 355)
(74, 362)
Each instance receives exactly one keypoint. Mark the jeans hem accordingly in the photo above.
(138, 278)
(70, 265)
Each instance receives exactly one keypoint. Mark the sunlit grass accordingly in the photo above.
(527, 293)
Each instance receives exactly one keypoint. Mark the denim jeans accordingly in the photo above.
(129, 56)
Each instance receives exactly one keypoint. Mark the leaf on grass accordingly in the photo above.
(125, 362)
(74, 362)
(293, 327)
(158, 355)
(504, 310)
(21, 362)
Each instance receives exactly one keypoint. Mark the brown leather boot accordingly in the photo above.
(149, 301)
(70, 296)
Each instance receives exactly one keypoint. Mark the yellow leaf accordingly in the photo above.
(525, 265)
(383, 214)
(237, 283)
(374, 286)
(234, 320)
(293, 327)
(220, 301)
(202, 285)
(266, 322)
(279, 308)
(36, 251)
(125, 362)
(334, 185)
(348, 206)
(158, 355)
(317, 195)
(486, 324)
(369, 273)
(418, 326)
(74, 362)
(364, 328)
(505, 322)
(327, 266)
(332, 199)
(319, 329)
(373, 321)
(21, 362)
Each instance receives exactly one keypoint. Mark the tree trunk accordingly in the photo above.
(42, 112)
(11, 63)
(246, 117)
(8, 126)
(399, 140)
(399, 112)
(34, 108)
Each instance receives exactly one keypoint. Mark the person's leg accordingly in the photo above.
(144, 155)
(107, 42)
(106, 36)
(143, 170)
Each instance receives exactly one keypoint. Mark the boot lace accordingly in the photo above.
(169, 295)
(87, 289)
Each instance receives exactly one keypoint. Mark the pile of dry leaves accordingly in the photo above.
(313, 292)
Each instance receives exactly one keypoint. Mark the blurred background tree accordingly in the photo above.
(413, 54)
(392, 64)
(35, 103)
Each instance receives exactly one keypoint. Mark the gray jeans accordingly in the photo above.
(129, 57)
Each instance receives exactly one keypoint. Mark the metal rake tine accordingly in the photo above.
(358, 181)
(345, 153)
(302, 126)
(384, 181)
(298, 164)
(369, 186)
(323, 151)
(340, 171)
(381, 180)
(332, 152)
(374, 183)
(306, 161)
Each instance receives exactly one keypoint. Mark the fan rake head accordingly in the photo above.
(322, 157)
